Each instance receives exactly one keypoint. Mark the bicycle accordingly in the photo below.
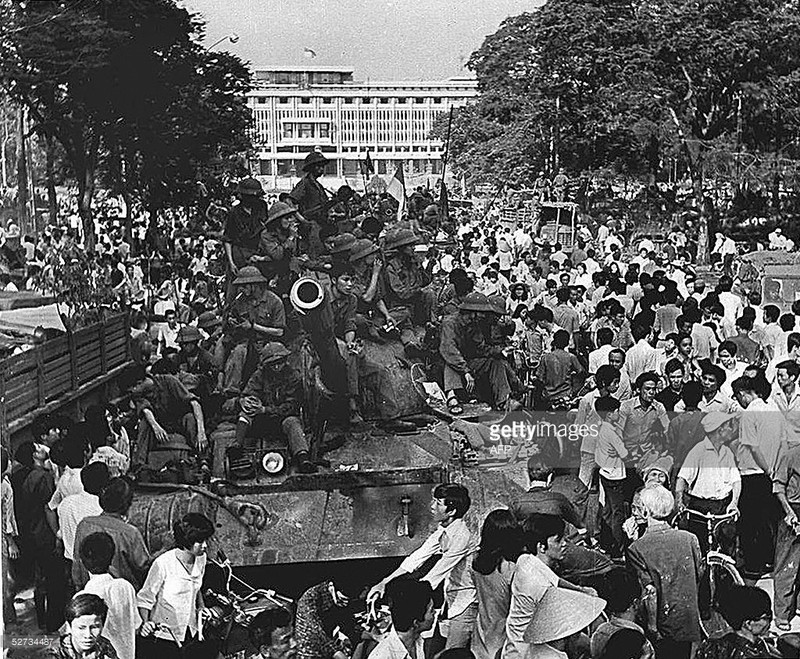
(720, 569)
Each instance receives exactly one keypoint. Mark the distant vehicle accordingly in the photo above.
(773, 273)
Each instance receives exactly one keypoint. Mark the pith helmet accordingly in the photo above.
(249, 274)
(278, 210)
(273, 352)
(476, 302)
(400, 238)
(313, 158)
(361, 249)
(187, 334)
(250, 187)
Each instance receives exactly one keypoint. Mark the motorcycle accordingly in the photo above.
(231, 605)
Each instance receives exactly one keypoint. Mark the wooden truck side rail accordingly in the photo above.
(45, 378)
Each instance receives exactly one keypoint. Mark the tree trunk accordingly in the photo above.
(52, 199)
(22, 173)
(86, 185)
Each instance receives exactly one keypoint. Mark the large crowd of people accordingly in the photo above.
(685, 382)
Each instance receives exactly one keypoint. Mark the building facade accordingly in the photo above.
(300, 109)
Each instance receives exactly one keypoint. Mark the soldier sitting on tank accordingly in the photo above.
(409, 303)
(338, 252)
(277, 246)
(196, 366)
(471, 362)
(163, 406)
(243, 228)
(368, 287)
(255, 315)
(270, 404)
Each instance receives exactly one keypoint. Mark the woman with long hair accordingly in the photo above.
(493, 569)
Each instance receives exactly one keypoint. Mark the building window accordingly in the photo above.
(348, 101)
(283, 99)
(306, 131)
(327, 101)
(264, 167)
(261, 100)
(288, 131)
(419, 99)
(324, 131)
(350, 167)
(402, 99)
(366, 99)
(305, 100)
(384, 101)
(437, 100)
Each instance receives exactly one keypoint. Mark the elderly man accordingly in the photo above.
(254, 316)
(270, 404)
(668, 563)
(469, 362)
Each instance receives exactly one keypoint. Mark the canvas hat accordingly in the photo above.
(561, 613)
(342, 243)
(249, 274)
(187, 334)
(208, 320)
(313, 158)
(250, 187)
(713, 420)
(476, 302)
(278, 210)
(400, 238)
(273, 351)
(662, 463)
(361, 249)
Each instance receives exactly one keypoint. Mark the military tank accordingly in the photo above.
(373, 501)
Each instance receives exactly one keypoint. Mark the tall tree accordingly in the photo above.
(93, 73)
(626, 83)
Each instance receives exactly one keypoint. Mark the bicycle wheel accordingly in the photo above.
(722, 576)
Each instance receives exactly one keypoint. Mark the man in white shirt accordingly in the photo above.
(709, 480)
(731, 302)
(411, 605)
(168, 333)
(123, 620)
(75, 507)
(642, 356)
(454, 541)
(762, 442)
(786, 397)
(712, 377)
(610, 454)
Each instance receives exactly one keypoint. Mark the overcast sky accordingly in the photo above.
(381, 39)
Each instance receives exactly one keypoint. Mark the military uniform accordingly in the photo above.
(272, 401)
(466, 347)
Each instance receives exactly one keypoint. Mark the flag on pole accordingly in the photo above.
(444, 204)
(397, 188)
(366, 165)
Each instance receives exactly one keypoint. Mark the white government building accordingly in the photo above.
(304, 108)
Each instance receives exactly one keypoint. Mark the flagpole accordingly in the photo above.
(444, 168)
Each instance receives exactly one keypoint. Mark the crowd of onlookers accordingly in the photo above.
(688, 384)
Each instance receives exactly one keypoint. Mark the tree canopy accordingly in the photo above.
(625, 84)
(125, 87)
